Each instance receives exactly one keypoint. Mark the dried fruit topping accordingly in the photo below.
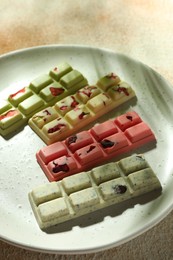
(63, 107)
(74, 103)
(129, 118)
(9, 114)
(58, 168)
(88, 90)
(56, 91)
(56, 128)
(20, 91)
(47, 112)
(92, 147)
(124, 90)
(81, 116)
(119, 189)
(107, 143)
(72, 139)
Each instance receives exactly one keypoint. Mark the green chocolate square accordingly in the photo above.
(71, 78)
(39, 83)
(60, 70)
(19, 96)
(4, 106)
(119, 91)
(108, 81)
(31, 104)
(10, 117)
(52, 91)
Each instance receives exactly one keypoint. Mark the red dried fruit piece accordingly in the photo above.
(9, 114)
(107, 143)
(72, 139)
(74, 103)
(88, 90)
(59, 168)
(81, 116)
(124, 90)
(129, 118)
(92, 147)
(20, 91)
(56, 91)
(63, 107)
(47, 112)
(55, 128)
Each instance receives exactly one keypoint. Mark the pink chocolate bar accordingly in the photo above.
(87, 149)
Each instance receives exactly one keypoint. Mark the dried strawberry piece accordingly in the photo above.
(47, 112)
(9, 114)
(74, 103)
(124, 90)
(58, 168)
(72, 139)
(81, 116)
(56, 91)
(92, 147)
(88, 91)
(63, 107)
(20, 91)
(107, 143)
(129, 118)
(55, 128)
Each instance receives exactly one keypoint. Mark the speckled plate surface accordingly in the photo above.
(19, 171)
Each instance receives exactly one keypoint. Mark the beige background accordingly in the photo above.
(139, 28)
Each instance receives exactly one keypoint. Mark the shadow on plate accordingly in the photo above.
(99, 215)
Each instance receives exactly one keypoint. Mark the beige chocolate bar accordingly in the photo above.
(80, 194)
(76, 111)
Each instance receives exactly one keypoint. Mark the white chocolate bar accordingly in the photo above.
(76, 195)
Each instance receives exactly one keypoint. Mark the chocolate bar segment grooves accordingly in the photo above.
(42, 92)
(86, 192)
(78, 110)
(87, 149)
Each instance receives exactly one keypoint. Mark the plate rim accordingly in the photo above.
(145, 228)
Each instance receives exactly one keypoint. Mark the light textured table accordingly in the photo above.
(139, 28)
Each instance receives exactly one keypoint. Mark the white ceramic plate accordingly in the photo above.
(19, 171)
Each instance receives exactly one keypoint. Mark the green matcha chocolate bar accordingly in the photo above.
(42, 92)
(89, 103)
(86, 192)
